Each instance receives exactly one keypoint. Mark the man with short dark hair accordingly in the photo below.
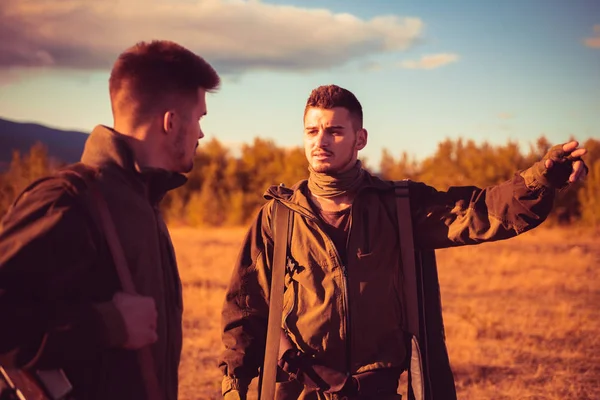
(61, 301)
(343, 315)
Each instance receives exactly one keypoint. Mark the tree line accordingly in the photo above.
(225, 189)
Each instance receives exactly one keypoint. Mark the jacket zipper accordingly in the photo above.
(347, 300)
(346, 305)
(347, 326)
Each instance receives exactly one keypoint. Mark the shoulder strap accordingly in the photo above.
(101, 214)
(416, 380)
(281, 218)
(110, 233)
(85, 177)
(409, 275)
(430, 375)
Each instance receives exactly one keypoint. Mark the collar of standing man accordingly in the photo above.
(107, 149)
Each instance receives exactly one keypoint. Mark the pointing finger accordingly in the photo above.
(579, 153)
(570, 146)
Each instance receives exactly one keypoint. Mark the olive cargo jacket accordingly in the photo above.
(348, 317)
(57, 277)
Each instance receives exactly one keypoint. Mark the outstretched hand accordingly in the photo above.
(570, 153)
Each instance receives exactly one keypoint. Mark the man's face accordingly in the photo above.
(331, 143)
(186, 134)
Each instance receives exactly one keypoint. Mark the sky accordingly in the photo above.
(423, 71)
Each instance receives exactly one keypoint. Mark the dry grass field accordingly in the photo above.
(522, 316)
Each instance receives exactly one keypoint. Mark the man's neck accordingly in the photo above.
(141, 143)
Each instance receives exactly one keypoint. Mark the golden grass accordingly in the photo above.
(522, 316)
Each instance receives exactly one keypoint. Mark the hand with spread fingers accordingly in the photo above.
(562, 165)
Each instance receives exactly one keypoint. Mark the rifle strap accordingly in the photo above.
(145, 357)
(409, 287)
(281, 217)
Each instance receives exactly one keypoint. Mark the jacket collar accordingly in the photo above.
(107, 149)
(297, 197)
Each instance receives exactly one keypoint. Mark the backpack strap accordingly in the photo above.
(430, 375)
(102, 215)
(409, 275)
(409, 289)
(282, 229)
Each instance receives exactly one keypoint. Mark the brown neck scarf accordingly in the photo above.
(332, 185)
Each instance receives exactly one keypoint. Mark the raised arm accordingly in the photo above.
(465, 215)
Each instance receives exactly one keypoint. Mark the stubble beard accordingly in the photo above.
(329, 170)
(179, 154)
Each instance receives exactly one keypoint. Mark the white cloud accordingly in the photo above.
(430, 61)
(233, 35)
(594, 41)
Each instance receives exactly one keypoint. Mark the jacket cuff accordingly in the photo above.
(231, 383)
(535, 177)
(113, 331)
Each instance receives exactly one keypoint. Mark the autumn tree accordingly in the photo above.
(403, 168)
(207, 191)
(589, 194)
(459, 162)
(23, 170)
(224, 189)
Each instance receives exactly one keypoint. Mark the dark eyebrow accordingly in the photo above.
(329, 128)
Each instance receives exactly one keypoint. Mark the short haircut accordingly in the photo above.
(331, 96)
(148, 75)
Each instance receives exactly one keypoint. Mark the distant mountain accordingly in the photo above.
(63, 145)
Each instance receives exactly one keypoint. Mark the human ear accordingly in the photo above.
(361, 139)
(168, 121)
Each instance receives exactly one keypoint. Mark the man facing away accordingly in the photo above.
(341, 306)
(61, 301)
